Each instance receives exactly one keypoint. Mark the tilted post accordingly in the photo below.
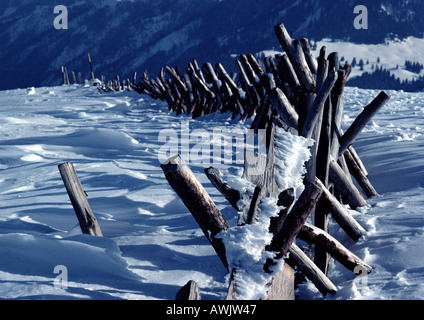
(77, 195)
(198, 202)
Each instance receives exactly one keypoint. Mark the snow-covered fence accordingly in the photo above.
(303, 96)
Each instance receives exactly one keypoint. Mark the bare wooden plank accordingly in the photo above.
(198, 201)
(281, 286)
(77, 195)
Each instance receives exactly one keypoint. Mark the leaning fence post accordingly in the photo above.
(362, 120)
(198, 202)
(86, 218)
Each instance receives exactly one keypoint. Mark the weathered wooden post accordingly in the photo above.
(77, 195)
(232, 195)
(197, 201)
(189, 292)
(284, 238)
(362, 120)
(65, 78)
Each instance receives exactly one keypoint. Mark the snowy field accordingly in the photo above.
(152, 246)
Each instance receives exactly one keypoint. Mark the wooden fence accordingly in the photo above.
(303, 95)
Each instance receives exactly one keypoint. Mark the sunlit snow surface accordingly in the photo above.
(152, 246)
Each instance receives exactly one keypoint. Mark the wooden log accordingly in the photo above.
(254, 167)
(284, 238)
(318, 105)
(226, 77)
(252, 213)
(198, 71)
(250, 72)
(284, 108)
(262, 117)
(259, 90)
(216, 84)
(190, 292)
(285, 199)
(319, 237)
(267, 82)
(287, 71)
(345, 186)
(182, 87)
(359, 176)
(358, 160)
(340, 214)
(74, 78)
(259, 170)
(322, 69)
(65, 78)
(197, 201)
(321, 215)
(297, 58)
(232, 195)
(337, 99)
(167, 90)
(362, 120)
(231, 293)
(311, 271)
(202, 86)
(252, 96)
(310, 59)
(272, 69)
(78, 197)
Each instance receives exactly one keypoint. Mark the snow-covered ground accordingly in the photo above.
(390, 55)
(152, 246)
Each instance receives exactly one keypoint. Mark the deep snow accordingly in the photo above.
(152, 246)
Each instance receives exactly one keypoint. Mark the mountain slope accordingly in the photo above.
(127, 36)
